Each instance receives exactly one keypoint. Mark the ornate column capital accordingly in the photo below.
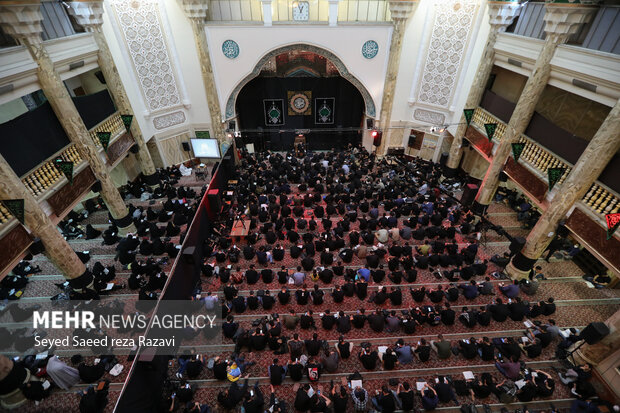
(22, 21)
(87, 13)
(195, 10)
(401, 10)
(564, 18)
(503, 13)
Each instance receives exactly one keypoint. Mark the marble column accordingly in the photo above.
(596, 353)
(196, 11)
(593, 160)
(501, 15)
(400, 10)
(89, 14)
(561, 21)
(23, 22)
(57, 250)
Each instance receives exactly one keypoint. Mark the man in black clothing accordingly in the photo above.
(499, 310)
(284, 296)
(230, 397)
(376, 321)
(313, 346)
(268, 301)
(368, 358)
(251, 275)
(276, 373)
(517, 309)
(239, 304)
(306, 321)
(444, 391)
(448, 315)
(328, 320)
(384, 401)
(359, 319)
(295, 370)
(468, 348)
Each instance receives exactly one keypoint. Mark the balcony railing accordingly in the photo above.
(541, 159)
(5, 215)
(41, 179)
(601, 201)
(537, 157)
(113, 124)
(598, 199)
(481, 117)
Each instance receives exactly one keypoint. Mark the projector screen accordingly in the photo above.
(206, 148)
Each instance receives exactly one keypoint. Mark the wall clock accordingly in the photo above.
(301, 11)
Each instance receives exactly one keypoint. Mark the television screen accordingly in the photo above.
(206, 148)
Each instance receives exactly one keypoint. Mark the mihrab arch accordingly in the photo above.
(342, 69)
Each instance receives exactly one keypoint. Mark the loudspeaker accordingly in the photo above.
(469, 194)
(516, 245)
(502, 177)
(377, 138)
(134, 148)
(188, 255)
(215, 202)
(231, 125)
(96, 187)
(594, 332)
(99, 76)
(36, 247)
(411, 142)
(185, 146)
(370, 123)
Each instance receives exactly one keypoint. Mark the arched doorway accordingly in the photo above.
(300, 88)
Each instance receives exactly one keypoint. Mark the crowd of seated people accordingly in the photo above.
(321, 215)
(144, 253)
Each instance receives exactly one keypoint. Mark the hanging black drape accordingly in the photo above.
(94, 108)
(31, 138)
(348, 112)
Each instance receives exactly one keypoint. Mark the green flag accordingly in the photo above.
(490, 128)
(613, 222)
(16, 207)
(469, 113)
(127, 121)
(554, 175)
(104, 138)
(66, 167)
(517, 149)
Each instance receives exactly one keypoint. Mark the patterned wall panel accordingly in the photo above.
(172, 150)
(453, 24)
(141, 28)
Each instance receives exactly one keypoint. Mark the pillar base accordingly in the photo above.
(125, 225)
(523, 263)
(515, 273)
(129, 229)
(83, 281)
(520, 266)
(449, 172)
(479, 208)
